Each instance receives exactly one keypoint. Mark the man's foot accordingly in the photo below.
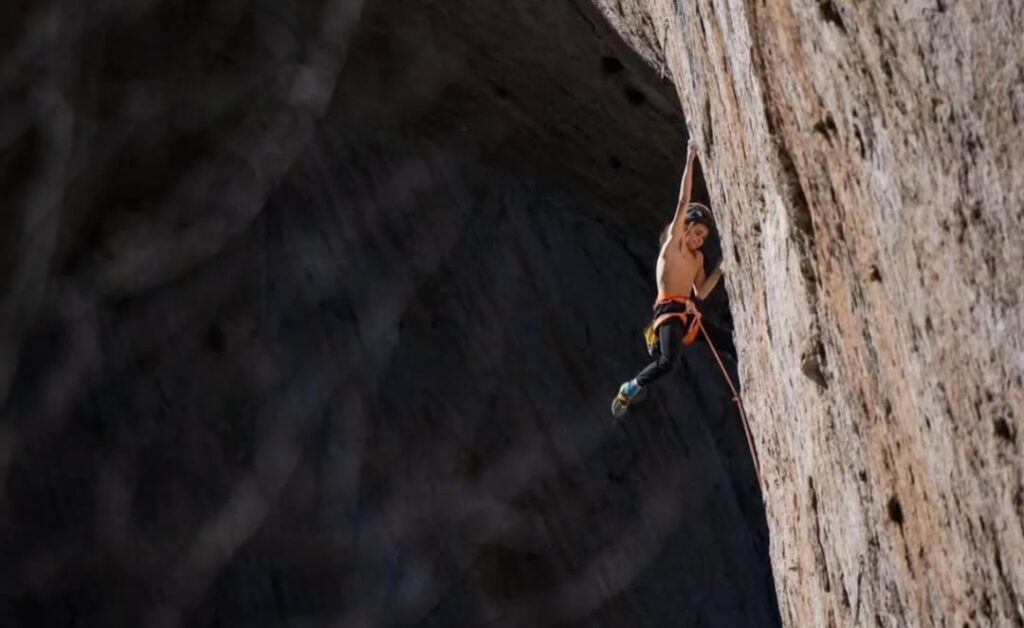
(630, 393)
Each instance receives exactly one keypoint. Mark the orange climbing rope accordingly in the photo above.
(739, 405)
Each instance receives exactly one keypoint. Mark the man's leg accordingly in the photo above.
(670, 343)
(670, 335)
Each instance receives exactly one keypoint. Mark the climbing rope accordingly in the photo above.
(739, 405)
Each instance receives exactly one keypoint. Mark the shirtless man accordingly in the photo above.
(680, 270)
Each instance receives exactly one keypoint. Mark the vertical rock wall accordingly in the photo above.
(864, 159)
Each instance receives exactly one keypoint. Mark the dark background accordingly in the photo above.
(312, 314)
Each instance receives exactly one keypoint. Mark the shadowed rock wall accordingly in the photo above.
(312, 313)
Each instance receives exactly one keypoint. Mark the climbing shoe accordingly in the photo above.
(629, 393)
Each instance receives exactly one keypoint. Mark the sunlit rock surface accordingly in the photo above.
(864, 160)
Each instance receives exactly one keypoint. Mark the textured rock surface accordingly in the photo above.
(312, 312)
(865, 161)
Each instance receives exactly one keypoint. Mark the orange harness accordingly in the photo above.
(694, 321)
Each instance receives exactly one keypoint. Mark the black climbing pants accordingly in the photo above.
(670, 345)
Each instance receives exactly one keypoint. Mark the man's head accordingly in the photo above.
(698, 225)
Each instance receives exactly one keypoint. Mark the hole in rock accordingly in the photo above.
(895, 510)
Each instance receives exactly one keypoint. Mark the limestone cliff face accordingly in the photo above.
(864, 160)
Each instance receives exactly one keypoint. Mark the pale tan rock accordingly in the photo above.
(866, 161)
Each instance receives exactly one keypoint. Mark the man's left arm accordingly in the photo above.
(705, 285)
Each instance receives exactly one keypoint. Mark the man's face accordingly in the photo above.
(695, 236)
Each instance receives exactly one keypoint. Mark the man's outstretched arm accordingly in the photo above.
(684, 189)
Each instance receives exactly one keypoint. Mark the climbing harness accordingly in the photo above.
(651, 331)
(691, 323)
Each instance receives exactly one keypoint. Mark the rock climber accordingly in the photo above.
(679, 272)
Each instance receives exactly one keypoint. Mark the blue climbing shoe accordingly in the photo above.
(630, 393)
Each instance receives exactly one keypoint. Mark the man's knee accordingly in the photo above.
(667, 362)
